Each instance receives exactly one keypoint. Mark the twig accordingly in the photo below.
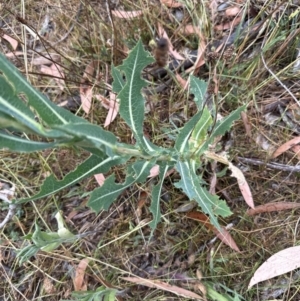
(273, 165)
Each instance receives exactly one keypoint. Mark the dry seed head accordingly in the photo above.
(161, 52)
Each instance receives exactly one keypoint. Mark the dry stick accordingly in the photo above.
(273, 165)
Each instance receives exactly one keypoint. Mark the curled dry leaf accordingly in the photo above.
(286, 146)
(271, 207)
(164, 286)
(122, 14)
(171, 3)
(78, 280)
(280, 263)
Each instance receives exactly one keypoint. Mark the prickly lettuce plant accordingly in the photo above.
(24, 110)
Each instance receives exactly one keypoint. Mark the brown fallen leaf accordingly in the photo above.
(222, 234)
(78, 280)
(296, 150)
(122, 14)
(12, 42)
(183, 82)
(164, 286)
(271, 207)
(111, 105)
(236, 173)
(171, 3)
(247, 124)
(100, 179)
(286, 146)
(233, 11)
(57, 72)
(280, 263)
(191, 29)
(85, 88)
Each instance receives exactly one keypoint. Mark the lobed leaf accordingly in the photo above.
(87, 132)
(132, 102)
(17, 144)
(198, 87)
(210, 204)
(221, 127)
(104, 196)
(47, 111)
(182, 141)
(93, 165)
(200, 131)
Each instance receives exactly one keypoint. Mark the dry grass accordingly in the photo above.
(119, 245)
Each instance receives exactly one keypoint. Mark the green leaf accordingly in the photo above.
(132, 102)
(200, 131)
(182, 140)
(119, 82)
(47, 111)
(210, 204)
(221, 127)
(198, 87)
(98, 137)
(17, 144)
(156, 193)
(93, 165)
(104, 196)
(26, 253)
(224, 125)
